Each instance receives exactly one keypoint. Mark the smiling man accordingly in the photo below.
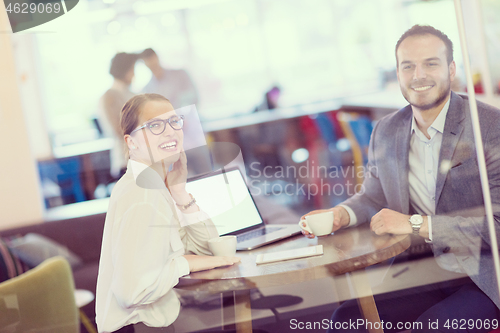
(425, 70)
(424, 180)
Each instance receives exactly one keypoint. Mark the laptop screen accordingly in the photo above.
(226, 199)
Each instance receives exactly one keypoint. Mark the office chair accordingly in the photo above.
(315, 146)
(40, 300)
(330, 130)
(357, 130)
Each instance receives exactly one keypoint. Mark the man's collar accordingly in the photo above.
(438, 123)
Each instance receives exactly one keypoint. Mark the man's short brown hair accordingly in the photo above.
(419, 30)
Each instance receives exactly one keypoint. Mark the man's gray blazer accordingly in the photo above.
(459, 226)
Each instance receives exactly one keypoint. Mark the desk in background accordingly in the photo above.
(75, 171)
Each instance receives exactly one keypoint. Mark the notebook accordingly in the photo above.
(225, 197)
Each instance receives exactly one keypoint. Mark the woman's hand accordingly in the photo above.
(177, 177)
(201, 263)
(176, 183)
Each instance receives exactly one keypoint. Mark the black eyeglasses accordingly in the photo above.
(158, 126)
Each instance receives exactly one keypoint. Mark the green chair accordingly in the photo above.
(41, 300)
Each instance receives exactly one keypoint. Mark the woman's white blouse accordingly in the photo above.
(145, 236)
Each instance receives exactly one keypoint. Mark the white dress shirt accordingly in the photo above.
(424, 168)
(145, 236)
(424, 164)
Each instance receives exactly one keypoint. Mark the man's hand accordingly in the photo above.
(201, 263)
(388, 221)
(340, 219)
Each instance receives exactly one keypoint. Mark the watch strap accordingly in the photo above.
(416, 229)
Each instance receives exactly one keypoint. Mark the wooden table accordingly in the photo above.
(346, 251)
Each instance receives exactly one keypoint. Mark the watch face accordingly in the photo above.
(417, 219)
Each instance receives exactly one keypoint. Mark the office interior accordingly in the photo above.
(332, 61)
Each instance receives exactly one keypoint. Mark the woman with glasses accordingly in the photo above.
(154, 231)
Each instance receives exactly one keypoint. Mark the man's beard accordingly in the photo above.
(443, 94)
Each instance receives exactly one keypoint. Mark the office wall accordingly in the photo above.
(20, 200)
(26, 60)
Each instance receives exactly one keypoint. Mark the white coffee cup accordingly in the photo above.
(223, 246)
(318, 224)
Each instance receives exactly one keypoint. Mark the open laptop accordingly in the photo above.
(225, 197)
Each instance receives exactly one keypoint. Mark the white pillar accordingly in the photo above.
(20, 196)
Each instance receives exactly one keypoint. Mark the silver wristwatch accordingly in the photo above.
(416, 222)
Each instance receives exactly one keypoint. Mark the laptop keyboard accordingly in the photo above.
(256, 233)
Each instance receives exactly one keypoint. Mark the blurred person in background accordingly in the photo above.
(174, 84)
(177, 86)
(271, 100)
(111, 103)
(154, 231)
(262, 142)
